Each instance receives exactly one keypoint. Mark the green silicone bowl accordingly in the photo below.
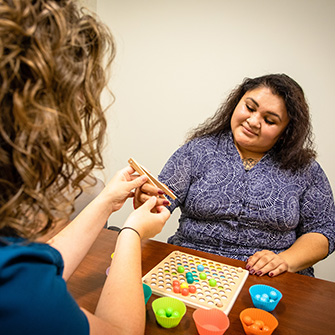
(172, 303)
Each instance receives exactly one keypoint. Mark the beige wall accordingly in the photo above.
(90, 4)
(177, 60)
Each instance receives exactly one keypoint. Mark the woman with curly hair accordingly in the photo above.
(53, 59)
(248, 185)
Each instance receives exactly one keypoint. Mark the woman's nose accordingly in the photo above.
(254, 120)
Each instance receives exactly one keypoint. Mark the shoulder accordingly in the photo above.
(206, 144)
(311, 178)
(314, 173)
(318, 180)
(213, 139)
(14, 250)
(315, 167)
(34, 293)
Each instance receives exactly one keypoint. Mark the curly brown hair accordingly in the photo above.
(53, 58)
(295, 149)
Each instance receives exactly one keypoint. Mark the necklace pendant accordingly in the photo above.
(249, 163)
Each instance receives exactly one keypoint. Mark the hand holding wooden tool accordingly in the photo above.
(151, 179)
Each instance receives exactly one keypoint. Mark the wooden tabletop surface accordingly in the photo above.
(307, 306)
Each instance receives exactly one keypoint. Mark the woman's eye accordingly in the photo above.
(250, 108)
(269, 121)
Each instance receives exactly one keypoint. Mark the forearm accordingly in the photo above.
(122, 294)
(74, 241)
(306, 251)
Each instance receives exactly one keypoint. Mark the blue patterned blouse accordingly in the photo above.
(232, 212)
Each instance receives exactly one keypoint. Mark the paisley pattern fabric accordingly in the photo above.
(232, 212)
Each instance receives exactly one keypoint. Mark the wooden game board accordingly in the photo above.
(229, 281)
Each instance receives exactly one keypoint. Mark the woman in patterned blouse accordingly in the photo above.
(248, 185)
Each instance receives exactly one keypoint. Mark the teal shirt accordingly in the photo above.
(33, 295)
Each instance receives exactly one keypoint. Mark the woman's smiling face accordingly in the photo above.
(258, 121)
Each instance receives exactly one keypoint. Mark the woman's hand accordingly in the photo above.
(303, 253)
(143, 193)
(148, 223)
(120, 188)
(266, 262)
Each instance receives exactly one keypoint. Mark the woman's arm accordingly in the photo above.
(121, 308)
(316, 231)
(122, 295)
(307, 250)
(74, 241)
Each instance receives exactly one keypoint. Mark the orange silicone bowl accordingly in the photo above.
(210, 321)
(258, 314)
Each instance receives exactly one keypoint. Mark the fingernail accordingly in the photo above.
(160, 192)
(258, 273)
(166, 203)
(271, 274)
(252, 271)
(247, 267)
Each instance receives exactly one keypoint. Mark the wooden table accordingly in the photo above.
(307, 306)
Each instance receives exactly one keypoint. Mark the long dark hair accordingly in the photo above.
(52, 72)
(295, 149)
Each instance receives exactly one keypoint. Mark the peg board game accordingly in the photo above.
(229, 281)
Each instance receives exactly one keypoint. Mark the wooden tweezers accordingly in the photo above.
(140, 169)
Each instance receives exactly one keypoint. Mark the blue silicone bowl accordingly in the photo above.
(265, 297)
